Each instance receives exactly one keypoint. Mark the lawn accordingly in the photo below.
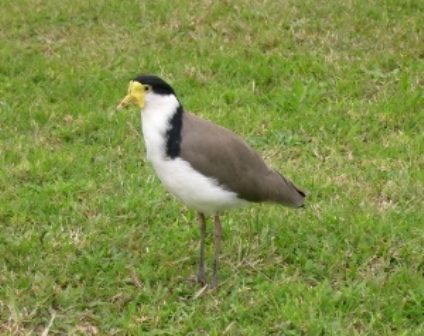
(329, 92)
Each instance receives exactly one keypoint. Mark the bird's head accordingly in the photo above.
(145, 88)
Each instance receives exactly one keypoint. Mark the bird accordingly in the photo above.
(206, 166)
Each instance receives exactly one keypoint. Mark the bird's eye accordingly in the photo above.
(147, 88)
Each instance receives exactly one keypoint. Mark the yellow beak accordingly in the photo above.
(136, 93)
(128, 100)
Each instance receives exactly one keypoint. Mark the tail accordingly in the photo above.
(290, 194)
(302, 194)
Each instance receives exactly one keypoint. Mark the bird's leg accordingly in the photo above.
(217, 242)
(201, 275)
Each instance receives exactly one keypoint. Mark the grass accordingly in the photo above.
(331, 93)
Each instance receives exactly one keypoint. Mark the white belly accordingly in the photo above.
(198, 192)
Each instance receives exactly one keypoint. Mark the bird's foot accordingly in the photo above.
(198, 279)
(215, 283)
(201, 278)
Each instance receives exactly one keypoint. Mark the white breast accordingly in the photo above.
(194, 189)
(198, 192)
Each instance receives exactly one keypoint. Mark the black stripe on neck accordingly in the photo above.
(173, 134)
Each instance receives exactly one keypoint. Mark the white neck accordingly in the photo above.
(155, 116)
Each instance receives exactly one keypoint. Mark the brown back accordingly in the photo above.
(216, 152)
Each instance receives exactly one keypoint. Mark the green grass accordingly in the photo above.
(330, 92)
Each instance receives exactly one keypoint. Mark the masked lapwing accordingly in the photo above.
(206, 166)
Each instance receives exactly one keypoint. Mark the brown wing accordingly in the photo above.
(216, 152)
